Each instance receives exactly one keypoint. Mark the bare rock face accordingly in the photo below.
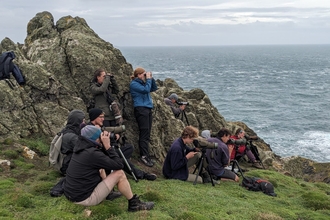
(58, 61)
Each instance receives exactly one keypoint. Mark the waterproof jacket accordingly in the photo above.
(176, 111)
(99, 92)
(218, 158)
(176, 164)
(71, 133)
(140, 92)
(83, 174)
(240, 146)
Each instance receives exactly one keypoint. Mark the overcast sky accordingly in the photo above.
(182, 22)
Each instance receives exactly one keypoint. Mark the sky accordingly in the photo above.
(182, 22)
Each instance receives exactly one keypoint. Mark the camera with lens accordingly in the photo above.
(230, 141)
(182, 103)
(202, 143)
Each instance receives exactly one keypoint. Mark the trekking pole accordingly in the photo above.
(127, 164)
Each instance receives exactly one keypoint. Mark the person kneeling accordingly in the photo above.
(86, 181)
(219, 158)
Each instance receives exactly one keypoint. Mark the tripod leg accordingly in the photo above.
(200, 163)
(129, 167)
(239, 168)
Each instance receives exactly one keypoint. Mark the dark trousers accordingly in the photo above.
(127, 150)
(143, 117)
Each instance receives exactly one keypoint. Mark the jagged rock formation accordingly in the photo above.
(58, 61)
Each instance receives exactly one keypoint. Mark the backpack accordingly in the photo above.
(257, 184)
(7, 67)
(55, 156)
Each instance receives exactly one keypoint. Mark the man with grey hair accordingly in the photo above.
(170, 101)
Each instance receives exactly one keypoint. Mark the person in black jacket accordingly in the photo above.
(95, 169)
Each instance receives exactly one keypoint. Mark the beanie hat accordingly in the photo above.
(94, 113)
(173, 96)
(91, 132)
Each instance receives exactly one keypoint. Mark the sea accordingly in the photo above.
(282, 92)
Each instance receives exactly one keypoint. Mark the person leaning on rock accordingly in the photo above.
(241, 148)
(141, 86)
(87, 182)
(103, 88)
(170, 101)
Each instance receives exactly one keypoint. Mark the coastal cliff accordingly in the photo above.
(58, 61)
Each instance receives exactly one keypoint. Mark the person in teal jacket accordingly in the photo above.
(141, 86)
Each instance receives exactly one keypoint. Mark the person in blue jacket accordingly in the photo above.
(141, 86)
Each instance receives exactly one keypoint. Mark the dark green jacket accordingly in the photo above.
(99, 92)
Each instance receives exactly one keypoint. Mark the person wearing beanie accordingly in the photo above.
(170, 101)
(206, 134)
(87, 182)
(141, 86)
(104, 89)
(97, 117)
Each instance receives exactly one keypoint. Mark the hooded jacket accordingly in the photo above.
(83, 175)
(140, 92)
(70, 136)
(218, 158)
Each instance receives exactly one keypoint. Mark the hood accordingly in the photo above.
(206, 134)
(74, 121)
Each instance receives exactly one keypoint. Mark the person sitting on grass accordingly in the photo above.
(87, 182)
(241, 148)
(180, 157)
(219, 158)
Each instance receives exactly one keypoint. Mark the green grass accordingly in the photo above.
(24, 192)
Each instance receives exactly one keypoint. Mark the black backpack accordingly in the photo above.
(257, 184)
(7, 66)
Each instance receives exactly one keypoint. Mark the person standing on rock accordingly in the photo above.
(141, 86)
(103, 88)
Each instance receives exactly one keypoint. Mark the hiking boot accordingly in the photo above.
(149, 176)
(134, 204)
(146, 160)
(113, 195)
(257, 165)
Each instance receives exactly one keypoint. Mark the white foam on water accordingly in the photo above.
(315, 145)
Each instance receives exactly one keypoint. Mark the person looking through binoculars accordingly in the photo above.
(219, 158)
(180, 157)
(141, 86)
(241, 147)
(96, 117)
(103, 88)
(171, 100)
(95, 169)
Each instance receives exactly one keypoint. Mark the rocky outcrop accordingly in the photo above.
(58, 61)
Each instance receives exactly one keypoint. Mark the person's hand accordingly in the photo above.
(190, 155)
(182, 107)
(231, 147)
(105, 138)
(148, 75)
(117, 137)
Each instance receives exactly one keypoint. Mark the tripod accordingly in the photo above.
(183, 114)
(235, 163)
(200, 166)
(118, 145)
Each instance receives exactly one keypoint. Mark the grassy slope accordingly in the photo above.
(24, 193)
